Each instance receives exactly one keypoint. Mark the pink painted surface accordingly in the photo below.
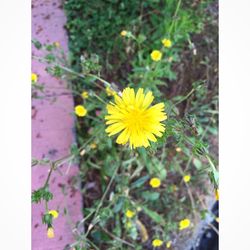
(52, 132)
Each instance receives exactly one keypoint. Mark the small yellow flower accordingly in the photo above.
(110, 92)
(57, 44)
(34, 77)
(217, 194)
(178, 149)
(184, 224)
(124, 33)
(186, 178)
(139, 209)
(50, 233)
(166, 43)
(168, 244)
(217, 219)
(80, 110)
(130, 213)
(155, 182)
(85, 94)
(93, 145)
(156, 55)
(54, 213)
(157, 243)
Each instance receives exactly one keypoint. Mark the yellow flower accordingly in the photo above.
(157, 243)
(34, 77)
(166, 42)
(50, 233)
(217, 194)
(80, 110)
(155, 182)
(57, 44)
(132, 115)
(124, 33)
(156, 55)
(217, 219)
(85, 94)
(178, 150)
(93, 145)
(130, 213)
(186, 178)
(54, 213)
(168, 244)
(184, 224)
(110, 92)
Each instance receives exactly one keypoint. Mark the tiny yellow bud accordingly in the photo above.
(54, 213)
(50, 233)
(93, 145)
(168, 244)
(157, 243)
(123, 33)
(85, 94)
(217, 194)
(130, 213)
(178, 149)
(156, 55)
(186, 178)
(34, 77)
(57, 44)
(184, 224)
(80, 110)
(166, 43)
(110, 92)
(155, 182)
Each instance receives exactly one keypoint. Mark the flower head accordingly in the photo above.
(168, 244)
(166, 43)
(123, 33)
(80, 110)
(157, 243)
(110, 92)
(186, 178)
(34, 77)
(54, 213)
(50, 232)
(130, 213)
(132, 116)
(155, 182)
(93, 145)
(85, 94)
(184, 224)
(156, 55)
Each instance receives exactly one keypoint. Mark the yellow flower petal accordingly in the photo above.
(34, 77)
(85, 94)
(168, 244)
(123, 33)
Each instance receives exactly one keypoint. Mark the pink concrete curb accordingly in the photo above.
(52, 132)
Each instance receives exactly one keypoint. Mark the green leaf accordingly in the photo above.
(154, 215)
(150, 196)
(139, 182)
